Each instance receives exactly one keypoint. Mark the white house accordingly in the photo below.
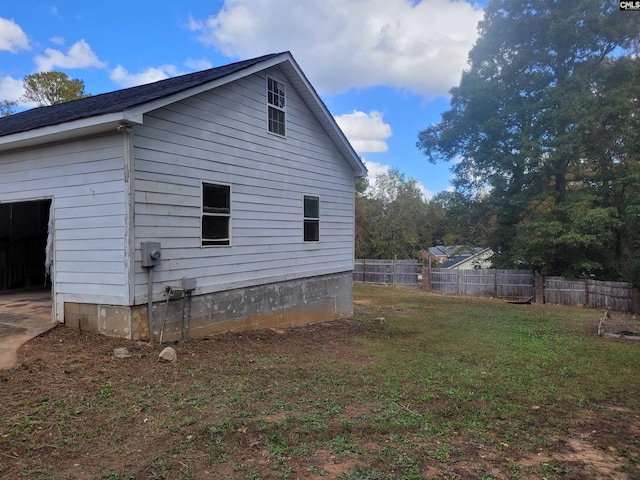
(217, 200)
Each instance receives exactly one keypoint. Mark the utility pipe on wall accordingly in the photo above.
(150, 303)
(150, 258)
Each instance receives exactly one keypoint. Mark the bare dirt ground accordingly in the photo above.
(70, 410)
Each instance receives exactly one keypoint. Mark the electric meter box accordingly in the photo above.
(151, 253)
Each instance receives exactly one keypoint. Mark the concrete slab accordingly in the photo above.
(23, 316)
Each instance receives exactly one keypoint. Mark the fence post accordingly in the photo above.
(495, 283)
(426, 279)
(538, 289)
(394, 278)
(586, 292)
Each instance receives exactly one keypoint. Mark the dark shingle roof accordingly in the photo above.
(117, 101)
(454, 261)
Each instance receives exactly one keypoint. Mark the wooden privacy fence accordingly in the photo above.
(387, 272)
(516, 285)
(512, 284)
(619, 296)
(525, 285)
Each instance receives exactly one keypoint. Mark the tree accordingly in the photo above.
(462, 219)
(7, 107)
(391, 218)
(544, 119)
(51, 88)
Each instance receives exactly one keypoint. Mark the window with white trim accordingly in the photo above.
(311, 218)
(216, 214)
(276, 104)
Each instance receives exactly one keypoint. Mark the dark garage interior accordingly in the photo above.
(23, 240)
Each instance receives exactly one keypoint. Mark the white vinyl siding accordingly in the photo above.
(223, 135)
(85, 180)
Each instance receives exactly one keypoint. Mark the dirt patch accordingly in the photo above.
(257, 405)
(343, 352)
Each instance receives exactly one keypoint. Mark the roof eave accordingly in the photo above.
(133, 115)
(67, 130)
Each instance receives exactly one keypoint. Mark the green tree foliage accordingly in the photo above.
(460, 219)
(391, 218)
(546, 119)
(51, 88)
(6, 108)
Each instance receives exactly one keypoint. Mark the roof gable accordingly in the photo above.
(107, 110)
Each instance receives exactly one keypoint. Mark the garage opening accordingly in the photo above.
(23, 243)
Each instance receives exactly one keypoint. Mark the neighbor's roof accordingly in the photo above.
(454, 250)
(458, 259)
(100, 112)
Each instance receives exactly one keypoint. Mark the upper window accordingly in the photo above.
(276, 101)
(216, 214)
(311, 218)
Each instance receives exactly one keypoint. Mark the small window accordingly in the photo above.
(216, 214)
(311, 219)
(276, 101)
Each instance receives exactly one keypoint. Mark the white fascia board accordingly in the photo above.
(63, 131)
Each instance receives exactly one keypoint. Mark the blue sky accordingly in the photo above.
(383, 67)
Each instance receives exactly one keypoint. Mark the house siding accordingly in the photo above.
(221, 136)
(85, 181)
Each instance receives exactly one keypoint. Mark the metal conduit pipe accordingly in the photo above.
(150, 304)
(150, 258)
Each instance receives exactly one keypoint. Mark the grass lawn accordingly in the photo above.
(449, 388)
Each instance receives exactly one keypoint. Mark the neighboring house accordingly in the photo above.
(457, 256)
(222, 199)
(472, 259)
(436, 255)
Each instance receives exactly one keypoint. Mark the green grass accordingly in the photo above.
(451, 387)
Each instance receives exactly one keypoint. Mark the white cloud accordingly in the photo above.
(12, 37)
(197, 65)
(426, 193)
(367, 133)
(375, 169)
(419, 46)
(11, 89)
(124, 78)
(79, 55)
(57, 40)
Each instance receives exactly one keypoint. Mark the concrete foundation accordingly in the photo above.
(282, 304)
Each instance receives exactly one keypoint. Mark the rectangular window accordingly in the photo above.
(216, 214)
(311, 219)
(276, 101)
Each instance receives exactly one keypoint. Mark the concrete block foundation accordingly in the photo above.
(283, 304)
